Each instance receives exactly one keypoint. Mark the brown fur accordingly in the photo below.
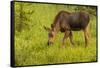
(67, 22)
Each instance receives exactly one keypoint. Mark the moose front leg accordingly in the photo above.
(71, 38)
(65, 37)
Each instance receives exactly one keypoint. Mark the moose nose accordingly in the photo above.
(49, 43)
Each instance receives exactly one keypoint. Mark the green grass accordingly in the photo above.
(35, 51)
(31, 44)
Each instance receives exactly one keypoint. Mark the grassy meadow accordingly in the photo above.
(31, 38)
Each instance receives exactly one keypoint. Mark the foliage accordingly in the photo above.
(31, 39)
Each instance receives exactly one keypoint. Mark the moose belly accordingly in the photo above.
(76, 27)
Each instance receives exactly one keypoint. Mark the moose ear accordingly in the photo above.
(46, 28)
(52, 25)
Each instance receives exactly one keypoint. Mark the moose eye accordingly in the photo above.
(50, 35)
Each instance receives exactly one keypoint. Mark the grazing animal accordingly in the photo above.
(66, 23)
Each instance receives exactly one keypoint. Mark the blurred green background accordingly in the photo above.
(31, 39)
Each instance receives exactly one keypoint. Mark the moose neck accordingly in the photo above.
(55, 29)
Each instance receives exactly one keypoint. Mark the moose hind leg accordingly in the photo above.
(86, 35)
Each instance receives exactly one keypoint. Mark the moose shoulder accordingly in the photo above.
(67, 22)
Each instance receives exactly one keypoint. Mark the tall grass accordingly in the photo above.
(31, 43)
